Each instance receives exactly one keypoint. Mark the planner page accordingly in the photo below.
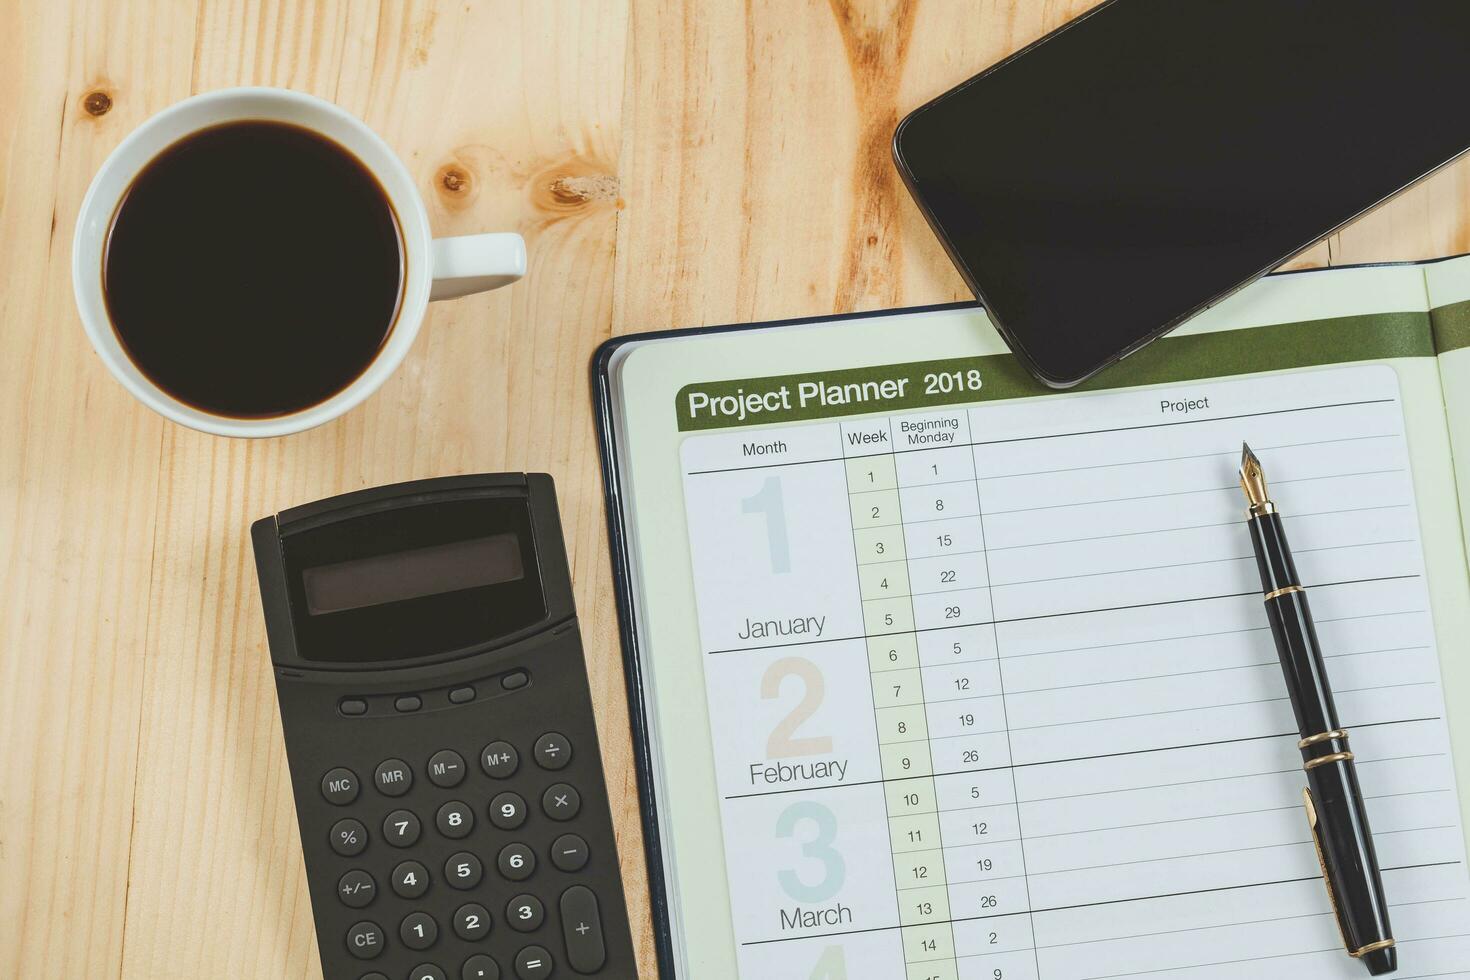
(991, 693)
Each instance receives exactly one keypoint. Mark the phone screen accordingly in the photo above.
(1131, 169)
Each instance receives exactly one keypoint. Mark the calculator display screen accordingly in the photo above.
(413, 581)
(412, 574)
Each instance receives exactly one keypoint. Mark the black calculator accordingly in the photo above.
(439, 728)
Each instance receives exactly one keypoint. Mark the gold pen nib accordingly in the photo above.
(1253, 482)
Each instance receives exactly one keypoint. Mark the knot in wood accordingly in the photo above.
(97, 103)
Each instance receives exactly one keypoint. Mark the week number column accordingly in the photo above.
(898, 698)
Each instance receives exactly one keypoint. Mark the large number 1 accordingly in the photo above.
(769, 502)
(819, 848)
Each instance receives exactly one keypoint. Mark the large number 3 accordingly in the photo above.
(781, 745)
(818, 848)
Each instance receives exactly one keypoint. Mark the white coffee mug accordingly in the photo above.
(435, 268)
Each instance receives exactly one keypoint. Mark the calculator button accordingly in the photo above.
(569, 853)
(353, 706)
(515, 680)
(365, 940)
(455, 820)
(410, 880)
(553, 751)
(516, 862)
(463, 870)
(427, 971)
(446, 768)
(500, 760)
(461, 695)
(561, 802)
(480, 967)
(340, 786)
(533, 963)
(508, 811)
(418, 930)
(348, 837)
(372, 976)
(472, 922)
(525, 913)
(401, 828)
(393, 777)
(357, 889)
(409, 702)
(581, 928)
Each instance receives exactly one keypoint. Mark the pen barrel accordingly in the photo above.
(1339, 819)
(1291, 625)
(1273, 554)
(1350, 864)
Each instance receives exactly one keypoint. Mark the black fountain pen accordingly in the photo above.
(1334, 802)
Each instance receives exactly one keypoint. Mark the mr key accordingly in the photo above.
(439, 728)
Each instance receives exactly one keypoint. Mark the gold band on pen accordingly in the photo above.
(1286, 590)
(1310, 740)
(1371, 947)
(1324, 760)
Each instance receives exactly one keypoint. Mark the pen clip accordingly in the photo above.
(1326, 877)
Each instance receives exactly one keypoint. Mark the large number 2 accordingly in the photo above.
(772, 505)
(781, 745)
(819, 848)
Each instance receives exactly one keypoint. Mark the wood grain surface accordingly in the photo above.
(670, 164)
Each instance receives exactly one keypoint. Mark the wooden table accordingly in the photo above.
(669, 164)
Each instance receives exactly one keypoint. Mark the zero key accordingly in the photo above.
(581, 929)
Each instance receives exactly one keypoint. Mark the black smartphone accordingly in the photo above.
(1141, 163)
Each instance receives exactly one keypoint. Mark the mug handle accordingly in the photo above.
(468, 264)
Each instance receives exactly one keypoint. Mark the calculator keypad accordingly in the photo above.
(497, 855)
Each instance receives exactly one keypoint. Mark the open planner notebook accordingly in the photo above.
(939, 675)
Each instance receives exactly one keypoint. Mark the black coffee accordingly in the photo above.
(253, 269)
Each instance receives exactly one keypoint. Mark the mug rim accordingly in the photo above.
(154, 135)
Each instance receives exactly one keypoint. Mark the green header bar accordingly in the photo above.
(965, 380)
(1452, 327)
